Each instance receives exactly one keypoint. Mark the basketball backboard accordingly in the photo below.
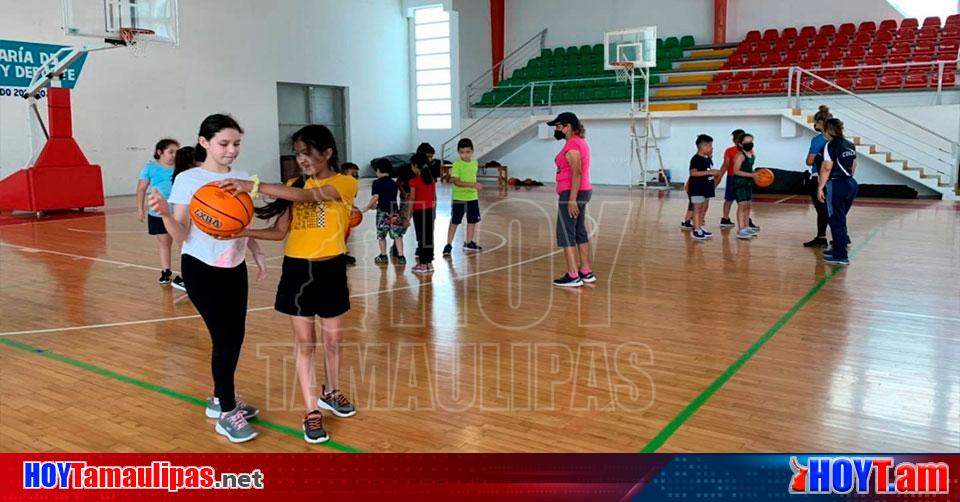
(637, 46)
(104, 18)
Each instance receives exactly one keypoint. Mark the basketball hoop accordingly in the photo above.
(136, 40)
(624, 70)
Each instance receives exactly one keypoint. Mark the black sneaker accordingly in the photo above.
(178, 284)
(165, 277)
(568, 282)
(313, 431)
(816, 242)
(726, 223)
(686, 225)
(588, 278)
(350, 260)
(472, 246)
(754, 227)
(447, 250)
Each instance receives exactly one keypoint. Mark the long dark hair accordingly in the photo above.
(186, 158)
(420, 160)
(210, 127)
(319, 139)
(162, 145)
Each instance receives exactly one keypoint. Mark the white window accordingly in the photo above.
(432, 68)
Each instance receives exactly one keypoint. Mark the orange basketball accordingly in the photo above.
(218, 213)
(355, 217)
(764, 177)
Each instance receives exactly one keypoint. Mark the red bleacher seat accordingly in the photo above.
(834, 53)
(910, 22)
(879, 51)
(753, 59)
(953, 20)
(841, 39)
(906, 35)
(916, 81)
(948, 51)
(849, 73)
(734, 87)
(810, 32)
(928, 33)
(743, 75)
(850, 62)
(845, 82)
(763, 74)
(752, 37)
(922, 58)
(870, 72)
(821, 42)
(723, 76)
(848, 28)
(885, 36)
(867, 27)
(776, 86)
(754, 86)
(887, 25)
(865, 83)
(713, 89)
(950, 79)
(828, 74)
(901, 49)
(779, 74)
(818, 85)
(932, 21)
(924, 47)
(891, 81)
(802, 43)
(950, 33)
(828, 30)
(863, 38)
(771, 35)
(897, 59)
(856, 51)
(789, 33)
(792, 56)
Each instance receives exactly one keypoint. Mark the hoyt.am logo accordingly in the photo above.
(877, 475)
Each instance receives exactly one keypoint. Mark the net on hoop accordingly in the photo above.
(624, 70)
(137, 40)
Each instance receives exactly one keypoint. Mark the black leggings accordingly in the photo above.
(821, 207)
(423, 225)
(220, 295)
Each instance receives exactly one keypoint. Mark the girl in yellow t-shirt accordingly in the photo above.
(314, 210)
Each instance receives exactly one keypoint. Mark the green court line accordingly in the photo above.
(700, 400)
(161, 390)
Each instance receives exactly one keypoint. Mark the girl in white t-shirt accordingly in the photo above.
(214, 271)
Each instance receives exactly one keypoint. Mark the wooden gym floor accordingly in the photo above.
(682, 346)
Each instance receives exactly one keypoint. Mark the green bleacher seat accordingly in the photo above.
(674, 53)
(671, 42)
(586, 50)
(598, 50)
(659, 44)
(687, 41)
(546, 53)
(559, 52)
(573, 50)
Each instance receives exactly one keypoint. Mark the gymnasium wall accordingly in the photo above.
(779, 145)
(232, 54)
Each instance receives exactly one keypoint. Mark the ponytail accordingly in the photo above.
(319, 139)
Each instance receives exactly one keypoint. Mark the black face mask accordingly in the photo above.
(815, 128)
(747, 147)
(559, 135)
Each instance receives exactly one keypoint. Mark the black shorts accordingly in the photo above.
(155, 225)
(572, 232)
(471, 207)
(313, 287)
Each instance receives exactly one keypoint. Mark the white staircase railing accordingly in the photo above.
(877, 125)
(516, 59)
(498, 123)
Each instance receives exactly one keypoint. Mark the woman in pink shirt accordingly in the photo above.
(573, 186)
